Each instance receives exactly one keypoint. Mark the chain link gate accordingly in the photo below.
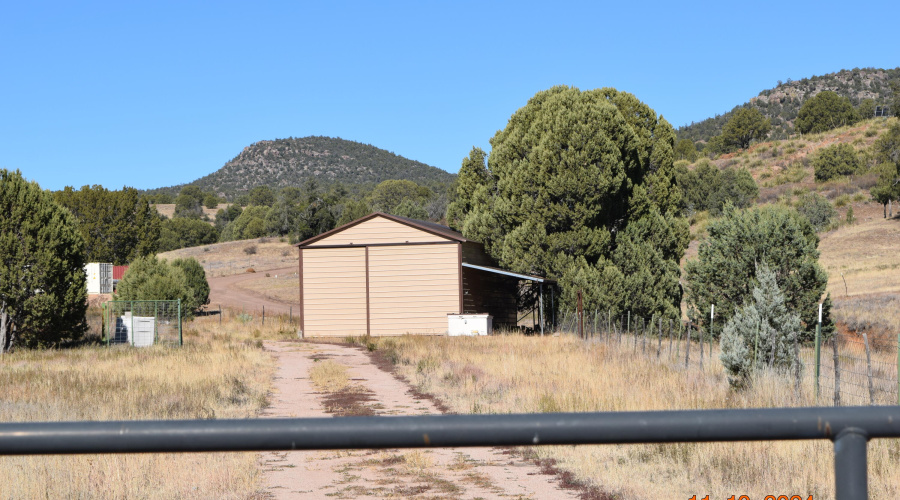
(142, 323)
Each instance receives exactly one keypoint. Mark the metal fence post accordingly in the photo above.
(869, 370)
(818, 353)
(180, 338)
(132, 323)
(837, 372)
(850, 465)
(104, 324)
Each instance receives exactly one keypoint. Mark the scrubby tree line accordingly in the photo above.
(708, 188)
(746, 124)
(294, 212)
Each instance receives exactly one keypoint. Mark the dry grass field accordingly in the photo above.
(865, 253)
(282, 287)
(235, 257)
(506, 374)
(221, 372)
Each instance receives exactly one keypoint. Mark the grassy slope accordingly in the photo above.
(232, 257)
(862, 250)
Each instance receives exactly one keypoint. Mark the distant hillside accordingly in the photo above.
(782, 103)
(291, 162)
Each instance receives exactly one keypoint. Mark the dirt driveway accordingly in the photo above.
(365, 474)
(227, 292)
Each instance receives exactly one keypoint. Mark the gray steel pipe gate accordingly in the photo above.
(849, 428)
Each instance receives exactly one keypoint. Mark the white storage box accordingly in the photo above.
(469, 324)
(99, 277)
(138, 331)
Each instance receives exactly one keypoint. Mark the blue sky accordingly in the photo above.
(159, 93)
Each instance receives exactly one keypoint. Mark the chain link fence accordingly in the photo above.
(142, 323)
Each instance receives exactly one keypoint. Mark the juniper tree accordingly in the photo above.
(567, 182)
(825, 111)
(744, 126)
(150, 278)
(761, 333)
(724, 271)
(43, 295)
(117, 225)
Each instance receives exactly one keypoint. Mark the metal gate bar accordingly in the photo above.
(849, 428)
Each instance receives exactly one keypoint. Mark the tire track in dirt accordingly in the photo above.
(450, 473)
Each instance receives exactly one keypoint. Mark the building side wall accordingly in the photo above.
(334, 292)
(412, 288)
(473, 253)
(378, 230)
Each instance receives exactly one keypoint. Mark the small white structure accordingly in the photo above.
(99, 277)
(139, 331)
(469, 324)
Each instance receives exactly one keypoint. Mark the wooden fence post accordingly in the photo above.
(579, 316)
(700, 336)
(644, 336)
(687, 348)
(869, 370)
(659, 339)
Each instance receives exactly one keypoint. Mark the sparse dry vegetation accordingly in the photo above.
(505, 374)
(329, 376)
(221, 372)
(224, 259)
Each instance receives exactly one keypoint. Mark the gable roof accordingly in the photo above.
(428, 227)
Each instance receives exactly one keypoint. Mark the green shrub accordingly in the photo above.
(762, 332)
(195, 277)
(834, 161)
(150, 278)
(826, 111)
(816, 209)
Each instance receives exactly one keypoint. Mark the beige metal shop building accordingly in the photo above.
(389, 275)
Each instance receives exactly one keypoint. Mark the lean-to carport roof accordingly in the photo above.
(509, 273)
(428, 227)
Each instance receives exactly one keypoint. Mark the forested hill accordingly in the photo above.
(291, 162)
(782, 103)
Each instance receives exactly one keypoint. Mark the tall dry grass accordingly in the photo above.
(505, 374)
(221, 372)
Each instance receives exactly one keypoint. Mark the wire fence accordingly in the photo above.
(845, 370)
(285, 316)
(142, 323)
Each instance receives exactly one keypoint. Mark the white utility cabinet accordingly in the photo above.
(99, 277)
(138, 331)
(469, 324)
